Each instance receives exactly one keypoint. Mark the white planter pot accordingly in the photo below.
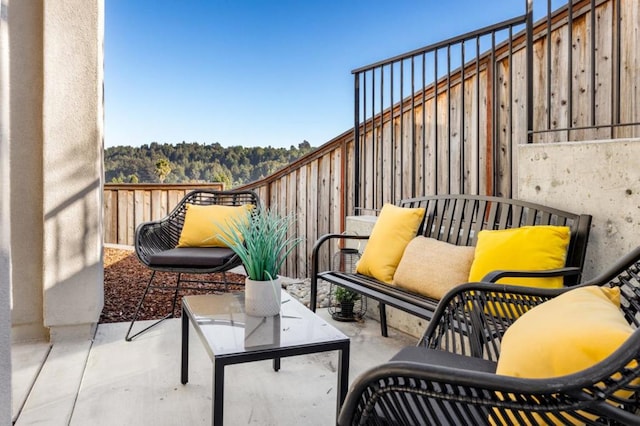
(262, 298)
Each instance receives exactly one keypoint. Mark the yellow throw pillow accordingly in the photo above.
(529, 248)
(564, 335)
(431, 267)
(202, 224)
(395, 227)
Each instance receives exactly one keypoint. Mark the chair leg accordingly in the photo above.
(175, 296)
(130, 337)
(383, 319)
(226, 283)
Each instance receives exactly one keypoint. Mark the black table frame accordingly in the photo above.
(221, 361)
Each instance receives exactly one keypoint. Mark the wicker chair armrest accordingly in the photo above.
(153, 237)
(494, 276)
(472, 318)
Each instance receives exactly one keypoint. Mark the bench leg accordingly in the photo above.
(383, 319)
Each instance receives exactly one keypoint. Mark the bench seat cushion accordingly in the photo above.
(192, 257)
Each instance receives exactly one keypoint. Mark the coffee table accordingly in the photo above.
(232, 337)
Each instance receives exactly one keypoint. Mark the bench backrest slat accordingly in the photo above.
(457, 219)
(457, 208)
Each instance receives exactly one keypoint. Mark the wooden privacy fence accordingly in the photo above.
(314, 188)
(127, 205)
(317, 189)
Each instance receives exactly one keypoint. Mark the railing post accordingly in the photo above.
(356, 144)
(529, 71)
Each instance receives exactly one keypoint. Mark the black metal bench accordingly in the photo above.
(457, 219)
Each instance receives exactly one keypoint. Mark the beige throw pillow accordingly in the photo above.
(431, 267)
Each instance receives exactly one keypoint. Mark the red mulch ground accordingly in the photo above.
(125, 279)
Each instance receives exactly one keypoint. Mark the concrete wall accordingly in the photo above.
(5, 229)
(56, 181)
(600, 178)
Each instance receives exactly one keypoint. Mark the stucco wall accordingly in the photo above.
(72, 148)
(5, 233)
(26, 177)
(56, 105)
(600, 178)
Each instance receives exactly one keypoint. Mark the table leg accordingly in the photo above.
(184, 368)
(218, 393)
(343, 376)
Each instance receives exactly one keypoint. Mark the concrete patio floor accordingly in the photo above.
(109, 381)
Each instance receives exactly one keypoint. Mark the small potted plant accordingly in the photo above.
(346, 299)
(260, 239)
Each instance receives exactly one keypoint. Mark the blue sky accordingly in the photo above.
(262, 72)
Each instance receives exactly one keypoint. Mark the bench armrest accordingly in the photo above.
(494, 276)
(315, 260)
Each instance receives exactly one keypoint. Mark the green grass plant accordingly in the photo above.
(260, 240)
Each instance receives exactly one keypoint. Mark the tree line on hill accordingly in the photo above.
(196, 163)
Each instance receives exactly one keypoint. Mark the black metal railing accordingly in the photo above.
(420, 118)
(590, 80)
(447, 118)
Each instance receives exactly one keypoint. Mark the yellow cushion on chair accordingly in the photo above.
(202, 224)
(564, 335)
(395, 227)
(529, 248)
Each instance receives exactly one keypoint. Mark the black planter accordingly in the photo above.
(345, 313)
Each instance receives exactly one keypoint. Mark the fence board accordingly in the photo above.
(349, 184)
(111, 216)
(629, 68)
(138, 209)
(303, 252)
(504, 148)
(312, 202)
(405, 156)
(604, 70)
(129, 222)
(335, 203)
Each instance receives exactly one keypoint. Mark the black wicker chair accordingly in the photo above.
(449, 378)
(155, 245)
